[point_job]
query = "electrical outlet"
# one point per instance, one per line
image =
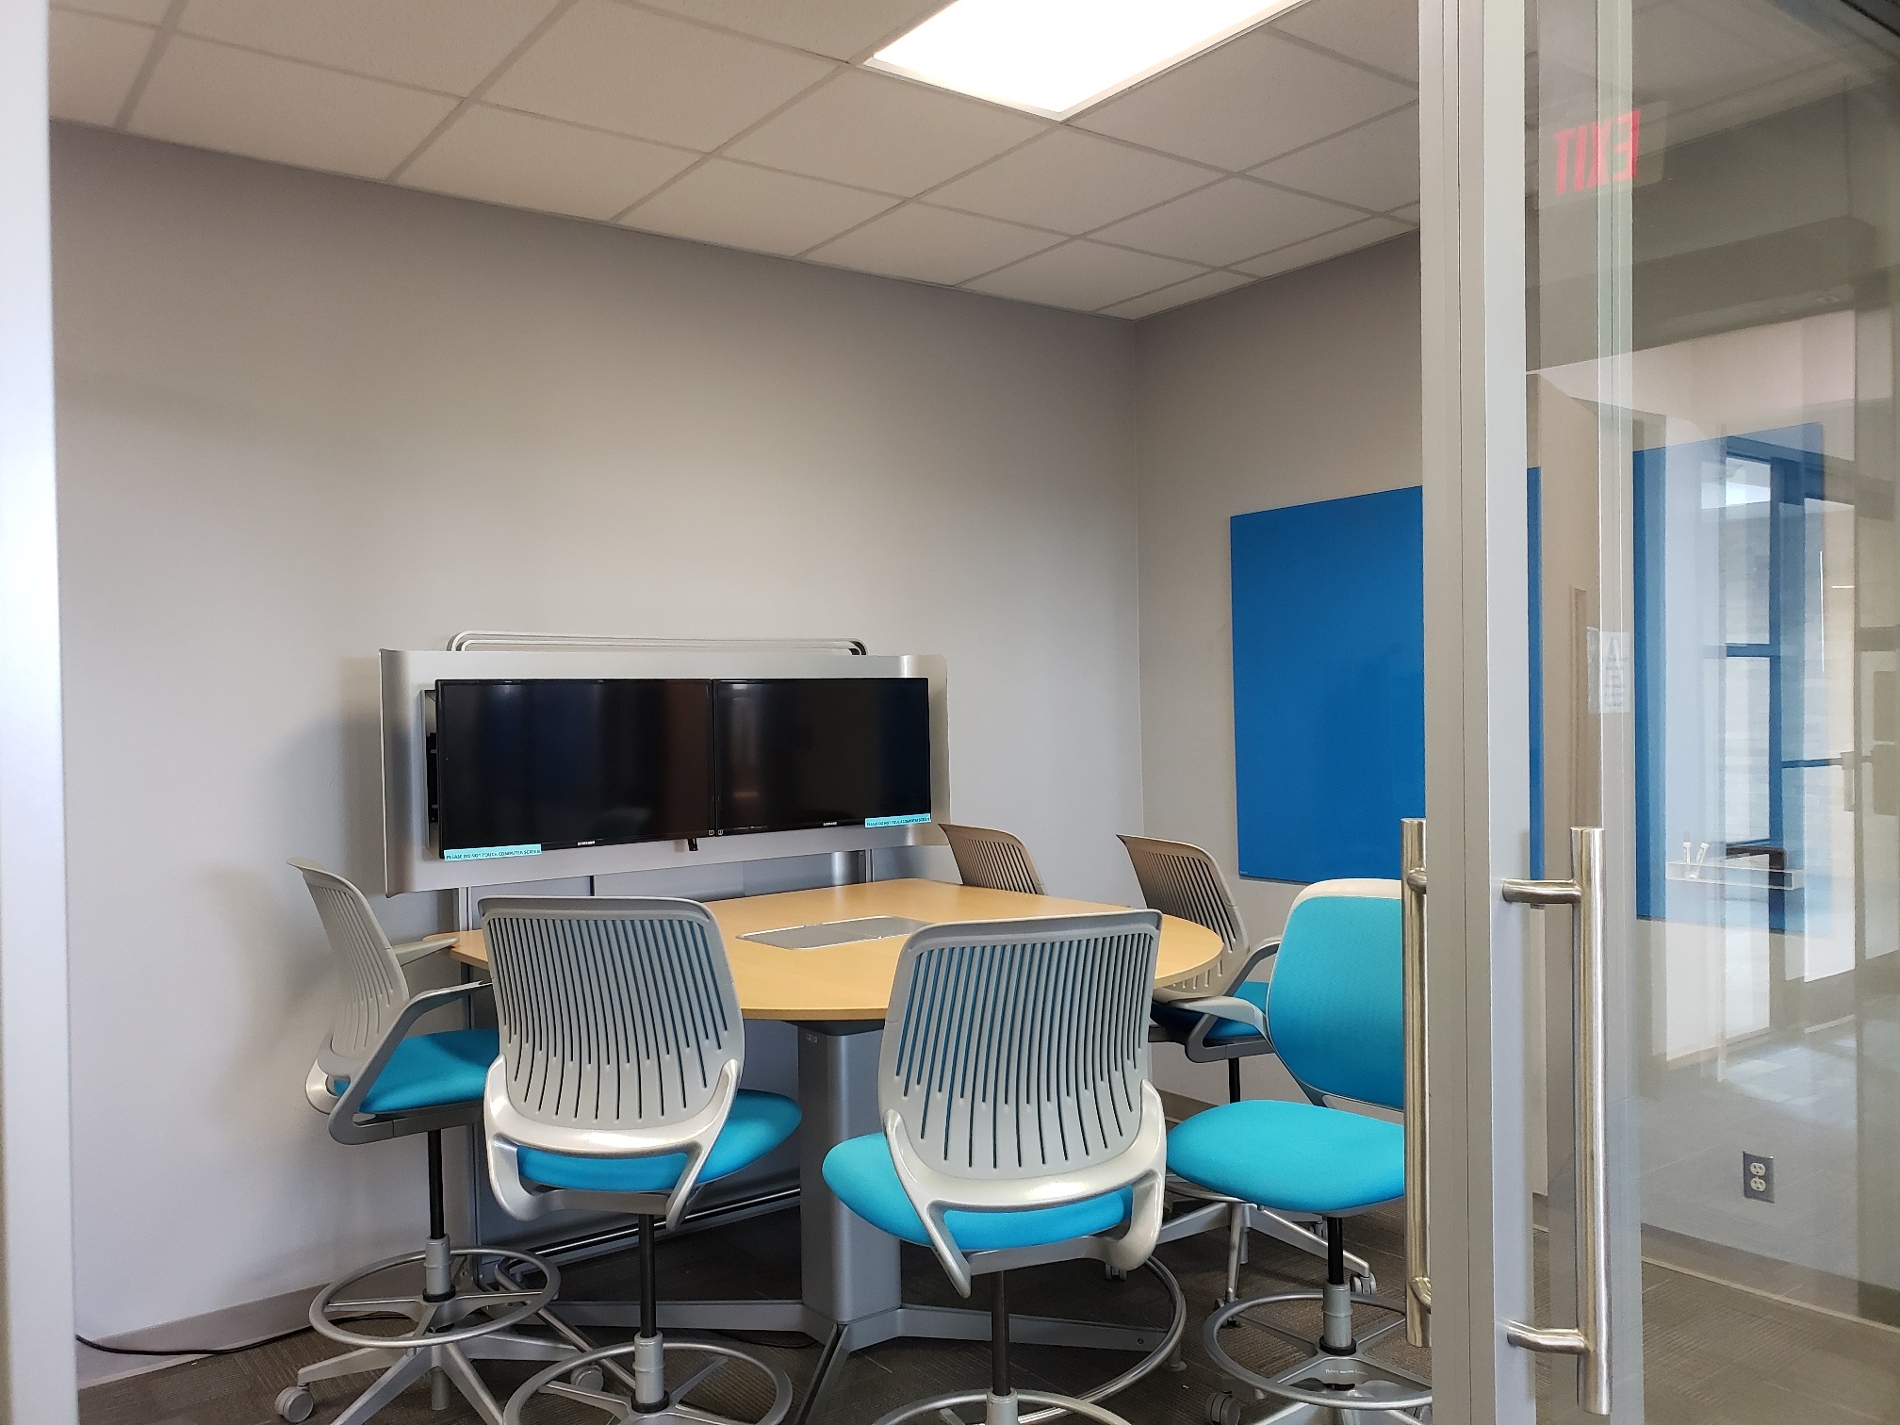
(1758, 1177)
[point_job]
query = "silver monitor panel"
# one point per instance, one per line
(412, 860)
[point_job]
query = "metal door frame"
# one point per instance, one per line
(1477, 707)
(1472, 264)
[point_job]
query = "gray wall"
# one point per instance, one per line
(303, 417)
(1305, 387)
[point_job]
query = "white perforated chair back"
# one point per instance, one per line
(374, 986)
(1019, 1048)
(615, 1013)
(994, 860)
(1180, 879)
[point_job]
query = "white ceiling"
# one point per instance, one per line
(751, 124)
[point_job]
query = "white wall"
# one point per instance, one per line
(1302, 388)
(36, 1303)
(303, 417)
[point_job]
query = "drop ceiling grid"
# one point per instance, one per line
(1138, 227)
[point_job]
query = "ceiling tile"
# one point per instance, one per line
(1374, 165)
(1782, 35)
(1084, 275)
(1381, 33)
(91, 64)
(652, 76)
(451, 45)
(881, 133)
(1179, 295)
(1219, 226)
(842, 29)
(148, 12)
(1248, 101)
(1407, 214)
(231, 99)
(1333, 244)
(1071, 182)
(1693, 51)
(500, 156)
(736, 205)
(932, 245)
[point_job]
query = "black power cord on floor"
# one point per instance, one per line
(90, 1344)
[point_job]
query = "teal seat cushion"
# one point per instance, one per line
(1297, 1157)
(860, 1172)
(432, 1071)
(757, 1124)
(1178, 1023)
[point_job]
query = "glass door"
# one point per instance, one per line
(1661, 246)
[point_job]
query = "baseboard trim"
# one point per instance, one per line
(227, 1328)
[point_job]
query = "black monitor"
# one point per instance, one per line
(790, 753)
(539, 764)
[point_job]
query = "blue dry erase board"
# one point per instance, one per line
(1329, 684)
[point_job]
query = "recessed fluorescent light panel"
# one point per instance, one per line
(1057, 57)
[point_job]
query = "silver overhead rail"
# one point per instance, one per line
(498, 641)
(1589, 1339)
(1418, 1281)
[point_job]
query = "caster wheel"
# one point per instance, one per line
(295, 1403)
(590, 1378)
(1222, 1409)
(1367, 1285)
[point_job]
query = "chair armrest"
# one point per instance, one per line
(1226, 1007)
(1142, 1166)
(409, 951)
(1265, 951)
(343, 1115)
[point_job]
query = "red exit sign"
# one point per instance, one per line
(1597, 154)
(1617, 151)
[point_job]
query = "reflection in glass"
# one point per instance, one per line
(1712, 349)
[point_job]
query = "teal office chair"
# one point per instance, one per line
(1335, 1007)
(1219, 1013)
(617, 1090)
(376, 1080)
(1019, 1123)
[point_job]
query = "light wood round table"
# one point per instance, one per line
(853, 981)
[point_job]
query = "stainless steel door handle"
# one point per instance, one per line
(1589, 1339)
(1418, 1282)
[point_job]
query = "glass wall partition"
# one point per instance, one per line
(1706, 1143)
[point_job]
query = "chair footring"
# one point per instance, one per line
(933, 1323)
(483, 1298)
(1001, 1409)
(447, 1363)
(1009, 1410)
(1340, 1379)
(634, 1360)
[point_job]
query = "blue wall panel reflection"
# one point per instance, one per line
(1329, 685)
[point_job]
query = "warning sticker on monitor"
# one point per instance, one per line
(486, 853)
(910, 819)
